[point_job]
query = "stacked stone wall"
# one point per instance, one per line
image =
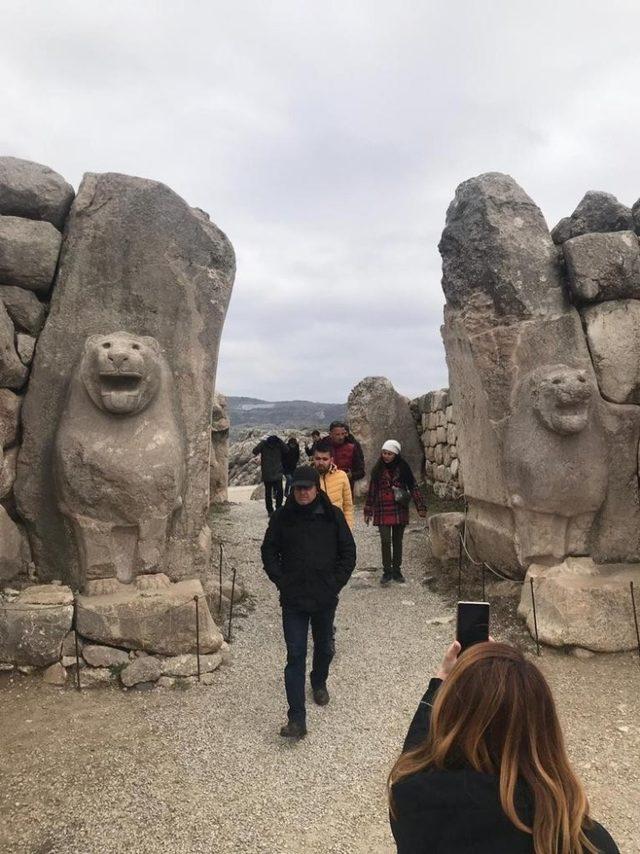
(436, 422)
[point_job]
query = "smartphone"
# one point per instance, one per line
(473, 623)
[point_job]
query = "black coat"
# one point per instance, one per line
(290, 458)
(309, 553)
(272, 451)
(458, 811)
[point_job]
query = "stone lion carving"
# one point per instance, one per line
(555, 462)
(119, 458)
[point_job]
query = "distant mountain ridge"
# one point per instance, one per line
(253, 412)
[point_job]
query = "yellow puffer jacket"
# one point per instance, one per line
(336, 484)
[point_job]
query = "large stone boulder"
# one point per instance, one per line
(10, 404)
(24, 308)
(158, 619)
(579, 603)
(28, 253)
(219, 462)
(596, 212)
(146, 262)
(14, 551)
(603, 266)
(33, 191)
(376, 412)
(13, 373)
(445, 530)
(613, 333)
(33, 626)
(498, 259)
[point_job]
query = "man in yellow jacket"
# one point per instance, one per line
(333, 481)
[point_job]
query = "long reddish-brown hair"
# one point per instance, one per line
(495, 713)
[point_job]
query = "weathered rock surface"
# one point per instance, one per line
(187, 665)
(25, 345)
(10, 404)
(14, 551)
(579, 603)
(28, 253)
(33, 191)
(159, 621)
(603, 266)
(445, 530)
(613, 332)
(597, 212)
(12, 372)
(104, 656)
(24, 308)
(376, 412)
(219, 462)
(8, 471)
(146, 262)
(498, 259)
(96, 677)
(147, 669)
(55, 674)
(33, 626)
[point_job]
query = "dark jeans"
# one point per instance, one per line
(295, 625)
(391, 535)
(272, 488)
(288, 480)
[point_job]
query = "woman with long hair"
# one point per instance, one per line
(484, 767)
(391, 488)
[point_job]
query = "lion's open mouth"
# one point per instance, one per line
(120, 382)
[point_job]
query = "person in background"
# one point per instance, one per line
(484, 767)
(309, 449)
(290, 459)
(391, 489)
(347, 452)
(309, 553)
(333, 481)
(272, 450)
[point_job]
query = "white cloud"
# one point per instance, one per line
(327, 141)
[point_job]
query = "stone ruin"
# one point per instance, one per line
(112, 303)
(542, 337)
(435, 420)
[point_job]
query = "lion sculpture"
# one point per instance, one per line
(555, 462)
(119, 458)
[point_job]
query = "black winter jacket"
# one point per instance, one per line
(309, 553)
(458, 811)
(290, 458)
(272, 451)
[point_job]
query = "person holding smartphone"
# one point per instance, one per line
(484, 768)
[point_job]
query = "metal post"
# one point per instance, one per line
(635, 614)
(195, 599)
(535, 617)
(220, 582)
(233, 591)
(75, 637)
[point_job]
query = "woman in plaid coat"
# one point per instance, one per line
(391, 489)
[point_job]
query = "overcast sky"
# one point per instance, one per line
(327, 139)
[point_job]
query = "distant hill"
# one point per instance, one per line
(252, 412)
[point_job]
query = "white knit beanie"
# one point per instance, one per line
(392, 446)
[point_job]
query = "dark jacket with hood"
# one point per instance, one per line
(458, 811)
(309, 553)
(290, 457)
(272, 451)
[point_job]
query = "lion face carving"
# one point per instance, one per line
(121, 372)
(562, 398)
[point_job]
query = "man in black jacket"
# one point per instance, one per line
(309, 554)
(272, 451)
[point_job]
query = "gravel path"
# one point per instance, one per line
(204, 770)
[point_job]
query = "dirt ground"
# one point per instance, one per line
(204, 770)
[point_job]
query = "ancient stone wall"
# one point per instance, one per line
(436, 424)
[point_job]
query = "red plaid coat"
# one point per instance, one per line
(382, 506)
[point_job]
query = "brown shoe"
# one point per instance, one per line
(321, 696)
(293, 730)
